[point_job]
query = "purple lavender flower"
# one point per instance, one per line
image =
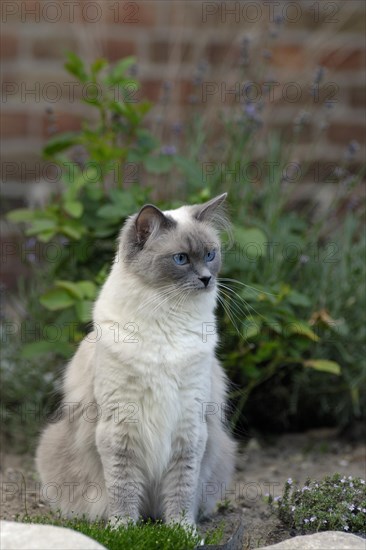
(251, 110)
(168, 150)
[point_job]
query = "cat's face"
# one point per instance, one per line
(178, 248)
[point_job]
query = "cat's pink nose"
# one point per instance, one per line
(205, 280)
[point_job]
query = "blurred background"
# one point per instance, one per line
(263, 99)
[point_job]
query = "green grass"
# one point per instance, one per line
(141, 536)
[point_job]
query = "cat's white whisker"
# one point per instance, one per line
(260, 291)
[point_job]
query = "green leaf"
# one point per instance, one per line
(146, 142)
(323, 365)
(98, 65)
(302, 328)
(251, 329)
(84, 310)
(72, 288)
(60, 143)
(40, 226)
(110, 211)
(118, 72)
(160, 164)
(57, 298)
(87, 288)
(74, 208)
(34, 349)
(75, 66)
(21, 215)
(297, 299)
(250, 242)
(46, 236)
(72, 232)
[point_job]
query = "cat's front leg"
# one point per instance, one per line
(180, 482)
(122, 476)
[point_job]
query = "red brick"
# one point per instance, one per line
(22, 166)
(115, 50)
(151, 89)
(9, 46)
(161, 51)
(217, 52)
(14, 125)
(60, 122)
(343, 59)
(358, 96)
(53, 47)
(288, 56)
(345, 132)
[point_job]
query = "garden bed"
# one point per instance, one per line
(263, 467)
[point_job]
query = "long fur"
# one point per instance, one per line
(141, 432)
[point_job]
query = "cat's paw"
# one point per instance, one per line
(115, 522)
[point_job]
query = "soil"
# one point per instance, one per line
(263, 468)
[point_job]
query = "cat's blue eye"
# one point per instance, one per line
(181, 258)
(209, 256)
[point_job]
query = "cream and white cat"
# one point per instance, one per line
(140, 432)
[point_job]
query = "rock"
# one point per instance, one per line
(31, 536)
(326, 540)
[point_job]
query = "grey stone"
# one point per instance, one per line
(31, 536)
(326, 540)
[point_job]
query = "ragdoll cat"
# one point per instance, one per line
(141, 432)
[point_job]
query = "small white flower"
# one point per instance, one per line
(345, 527)
(293, 508)
(306, 520)
(362, 481)
(313, 518)
(351, 507)
(289, 481)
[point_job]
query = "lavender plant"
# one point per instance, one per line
(336, 503)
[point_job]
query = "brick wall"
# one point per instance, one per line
(283, 41)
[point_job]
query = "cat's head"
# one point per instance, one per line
(178, 248)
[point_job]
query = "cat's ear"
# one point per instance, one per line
(209, 210)
(149, 220)
(214, 213)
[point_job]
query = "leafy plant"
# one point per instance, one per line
(290, 316)
(336, 503)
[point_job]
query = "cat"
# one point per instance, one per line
(140, 432)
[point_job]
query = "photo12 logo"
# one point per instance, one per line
(69, 11)
(269, 11)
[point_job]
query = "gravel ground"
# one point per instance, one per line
(262, 468)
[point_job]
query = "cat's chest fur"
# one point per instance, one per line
(157, 375)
